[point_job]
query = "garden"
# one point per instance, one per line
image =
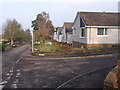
(57, 49)
(52, 48)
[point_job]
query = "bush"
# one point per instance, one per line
(3, 47)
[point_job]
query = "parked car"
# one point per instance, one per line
(37, 42)
(14, 45)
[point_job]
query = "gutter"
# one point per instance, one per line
(103, 27)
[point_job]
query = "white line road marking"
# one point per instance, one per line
(18, 70)
(18, 74)
(80, 76)
(7, 74)
(14, 85)
(11, 73)
(8, 77)
(1, 87)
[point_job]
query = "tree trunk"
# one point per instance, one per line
(11, 42)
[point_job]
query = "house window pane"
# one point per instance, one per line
(100, 31)
(82, 32)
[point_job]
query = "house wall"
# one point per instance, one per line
(60, 38)
(76, 37)
(69, 38)
(64, 39)
(55, 36)
(93, 38)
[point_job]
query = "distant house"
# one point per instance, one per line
(55, 34)
(67, 35)
(58, 34)
(2, 38)
(95, 29)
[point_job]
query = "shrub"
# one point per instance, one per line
(3, 47)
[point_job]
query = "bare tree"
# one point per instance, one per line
(13, 31)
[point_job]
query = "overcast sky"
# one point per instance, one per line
(24, 11)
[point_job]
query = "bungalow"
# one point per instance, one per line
(67, 32)
(58, 34)
(95, 29)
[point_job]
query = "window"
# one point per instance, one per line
(102, 31)
(82, 32)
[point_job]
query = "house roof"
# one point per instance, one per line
(68, 26)
(99, 18)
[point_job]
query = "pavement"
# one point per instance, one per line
(52, 72)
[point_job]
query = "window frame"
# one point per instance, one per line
(82, 36)
(105, 32)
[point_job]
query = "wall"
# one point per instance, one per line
(60, 38)
(76, 25)
(93, 38)
(69, 38)
(55, 36)
(64, 34)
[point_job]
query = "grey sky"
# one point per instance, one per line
(25, 12)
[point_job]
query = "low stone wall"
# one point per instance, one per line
(113, 78)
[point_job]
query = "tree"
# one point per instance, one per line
(43, 26)
(50, 27)
(45, 15)
(11, 30)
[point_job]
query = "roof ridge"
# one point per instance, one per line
(99, 12)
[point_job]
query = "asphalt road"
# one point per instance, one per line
(52, 72)
(10, 57)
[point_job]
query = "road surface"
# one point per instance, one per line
(12, 56)
(61, 72)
